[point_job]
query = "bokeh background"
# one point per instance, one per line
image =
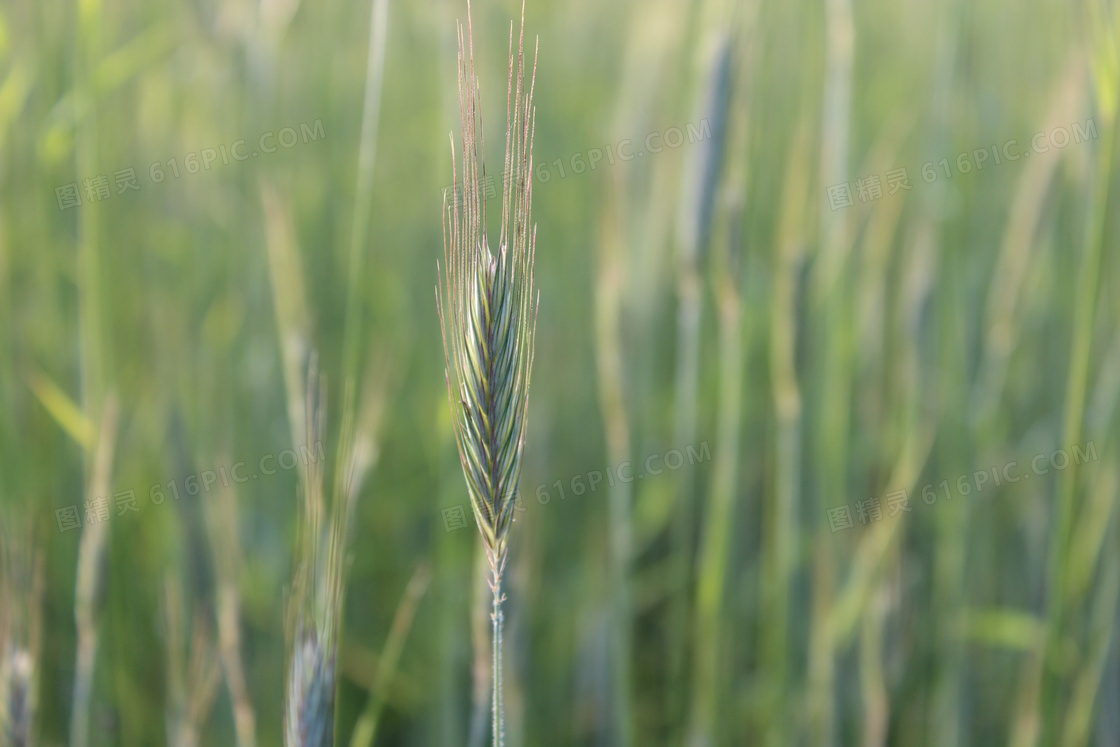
(753, 314)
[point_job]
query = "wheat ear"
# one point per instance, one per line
(21, 591)
(488, 311)
(315, 605)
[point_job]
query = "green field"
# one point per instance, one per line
(822, 443)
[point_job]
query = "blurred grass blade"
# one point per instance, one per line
(611, 280)
(363, 192)
(1002, 628)
(90, 581)
(63, 409)
(365, 731)
(289, 299)
(223, 529)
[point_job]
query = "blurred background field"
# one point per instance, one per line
(745, 307)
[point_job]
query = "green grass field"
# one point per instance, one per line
(822, 438)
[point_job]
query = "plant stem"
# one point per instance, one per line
(686, 389)
(496, 661)
(616, 424)
(480, 666)
(363, 192)
(90, 579)
(365, 730)
(1059, 604)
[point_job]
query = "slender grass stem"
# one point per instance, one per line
(480, 642)
(367, 151)
(781, 509)
(832, 426)
(365, 730)
(91, 559)
(222, 524)
(497, 717)
(612, 273)
(1088, 287)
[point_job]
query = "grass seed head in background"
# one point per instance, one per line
(315, 607)
(18, 691)
(20, 591)
(486, 306)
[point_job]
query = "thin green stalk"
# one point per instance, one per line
(873, 690)
(822, 664)
(222, 525)
(611, 380)
(1099, 520)
(698, 198)
(1041, 682)
(365, 730)
(686, 388)
(94, 536)
(1085, 309)
(834, 365)
(90, 579)
(480, 643)
(951, 520)
(715, 541)
(363, 191)
(93, 358)
(947, 592)
(781, 508)
(497, 723)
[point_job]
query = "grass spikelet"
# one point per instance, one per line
(488, 310)
(315, 605)
(21, 573)
(18, 689)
